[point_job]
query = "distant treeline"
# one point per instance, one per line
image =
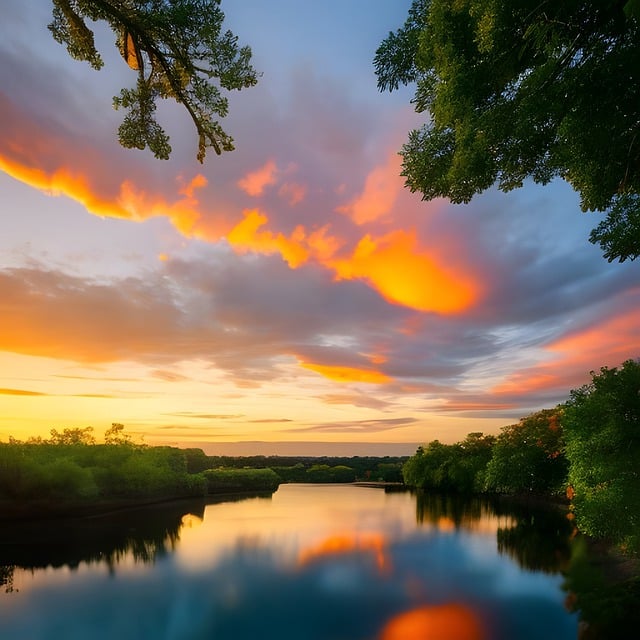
(587, 449)
(306, 468)
(70, 472)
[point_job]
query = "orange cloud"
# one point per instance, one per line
(393, 265)
(347, 374)
(526, 380)
(20, 392)
(246, 236)
(381, 189)
(62, 166)
(403, 274)
(607, 344)
(453, 405)
(322, 245)
(254, 183)
(129, 202)
(604, 340)
(64, 181)
(183, 212)
(59, 316)
(441, 622)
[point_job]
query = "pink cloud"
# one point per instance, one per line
(293, 193)
(381, 189)
(255, 182)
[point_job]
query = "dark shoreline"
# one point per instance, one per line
(46, 510)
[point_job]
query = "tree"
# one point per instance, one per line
(177, 49)
(115, 434)
(458, 467)
(530, 89)
(468, 470)
(602, 426)
(528, 457)
(72, 436)
(429, 467)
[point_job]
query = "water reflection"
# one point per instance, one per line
(442, 622)
(315, 562)
(453, 512)
(346, 544)
(539, 540)
(127, 537)
(123, 538)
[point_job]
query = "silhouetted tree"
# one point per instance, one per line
(177, 49)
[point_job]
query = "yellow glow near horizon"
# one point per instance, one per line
(177, 406)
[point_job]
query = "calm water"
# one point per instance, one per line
(311, 562)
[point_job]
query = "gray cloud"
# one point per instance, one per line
(357, 426)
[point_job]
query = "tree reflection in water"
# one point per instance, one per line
(314, 562)
(602, 588)
(540, 540)
(143, 534)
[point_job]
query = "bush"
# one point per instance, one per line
(78, 472)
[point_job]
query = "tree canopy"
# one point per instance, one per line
(528, 457)
(602, 429)
(178, 50)
(525, 90)
(458, 467)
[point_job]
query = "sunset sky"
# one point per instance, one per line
(292, 290)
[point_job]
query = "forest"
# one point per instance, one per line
(586, 451)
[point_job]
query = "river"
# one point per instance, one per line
(325, 562)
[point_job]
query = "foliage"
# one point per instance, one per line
(326, 473)
(468, 469)
(428, 468)
(295, 473)
(602, 425)
(178, 50)
(529, 456)
(77, 473)
(524, 90)
(607, 604)
(240, 480)
(456, 467)
(73, 436)
(116, 435)
(197, 460)
(389, 472)
(294, 468)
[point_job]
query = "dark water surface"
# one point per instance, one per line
(326, 562)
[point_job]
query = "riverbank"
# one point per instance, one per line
(387, 486)
(603, 585)
(615, 564)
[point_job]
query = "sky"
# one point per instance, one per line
(292, 295)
